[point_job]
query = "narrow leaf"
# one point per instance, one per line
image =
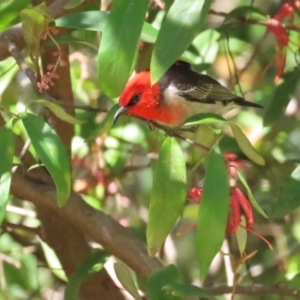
(213, 211)
(205, 136)
(105, 125)
(95, 20)
(241, 235)
(254, 203)
(289, 197)
(283, 93)
(59, 111)
(73, 3)
(168, 194)
(51, 151)
(245, 145)
(6, 161)
(92, 264)
(183, 22)
(53, 262)
(161, 278)
(34, 22)
(119, 44)
(187, 290)
(124, 276)
(204, 118)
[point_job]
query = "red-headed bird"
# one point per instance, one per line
(180, 94)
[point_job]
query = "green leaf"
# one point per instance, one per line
(183, 22)
(245, 12)
(245, 145)
(283, 93)
(86, 20)
(34, 22)
(168, 194)
(119, 44)
(187, 290)
(149, 33)
(205, 136)
(105, 125)
(241, 235)
(53, 262)
(59, 111)
(91, 265)
(156, 282)
(95, 20)
(73, 3)
(213, 211)
(254, 203)
(124, 276)
(207, 45)
(6, 162)
(51, 151)
(289, 197)
(204, 118)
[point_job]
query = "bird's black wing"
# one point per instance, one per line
(197, 87)
(207, 90)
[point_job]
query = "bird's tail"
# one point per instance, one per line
(242, 102)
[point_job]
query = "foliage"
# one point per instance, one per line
(141, 174)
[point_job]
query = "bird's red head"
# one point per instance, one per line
(143, 100)
(139, 97)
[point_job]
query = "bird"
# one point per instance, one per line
(180, 94)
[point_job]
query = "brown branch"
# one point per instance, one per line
(16, 54)
(100, 227)
(15, 36)
(255, 290)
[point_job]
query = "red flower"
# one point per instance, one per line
(239, 205)
(282, 35)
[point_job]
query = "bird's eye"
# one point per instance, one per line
(134, 99)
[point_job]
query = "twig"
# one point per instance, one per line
(171, 132)
(255, 290)
(16, 54)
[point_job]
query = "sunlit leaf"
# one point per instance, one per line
(95, 20)
(51, 151)
(205, 136)
(241, 235)
(106, 124)
(249, 193)
(204, 118)
(213, 211)
(207, 45)
(6, 161)
(88, 20)
(72, 3)
(53, 262)
(149, 33)
(119, 44)
(59, 111)
(124, 276)
(183, 22)
(168, 194)
(245, 145)
(34, 22)
(91, 265)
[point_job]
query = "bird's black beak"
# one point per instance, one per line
(120, 111)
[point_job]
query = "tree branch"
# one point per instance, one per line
(255, 290)
(100, 227)
(15, 36)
